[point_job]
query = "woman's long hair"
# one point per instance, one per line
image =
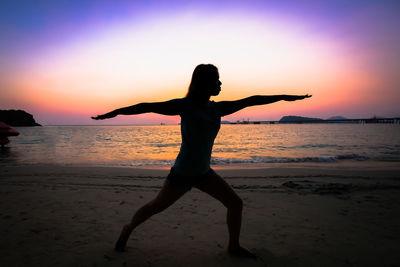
(203, 76)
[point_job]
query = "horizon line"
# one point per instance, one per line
(240, 122)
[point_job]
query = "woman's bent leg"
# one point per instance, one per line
(218, 188)
(165, 198)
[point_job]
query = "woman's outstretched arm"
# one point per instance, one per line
(171, 107)
(229, 107)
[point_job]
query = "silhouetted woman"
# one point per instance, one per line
(200, 123)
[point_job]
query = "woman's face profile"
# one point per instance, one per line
(216, 86)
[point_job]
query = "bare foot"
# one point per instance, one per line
(123, 238)
(241, 252)
(119, 246)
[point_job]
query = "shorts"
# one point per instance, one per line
(187, 181)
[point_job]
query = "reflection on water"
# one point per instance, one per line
(159, 145)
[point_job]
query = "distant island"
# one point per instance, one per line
(337, 118)
(334, 119)
(17, 118)
(298, 119)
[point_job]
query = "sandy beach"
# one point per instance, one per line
(53, 215)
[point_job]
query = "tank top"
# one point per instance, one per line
(199, 127)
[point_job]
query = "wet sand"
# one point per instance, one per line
(54, 215)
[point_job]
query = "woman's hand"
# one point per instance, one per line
(296, 97)
(105, 116)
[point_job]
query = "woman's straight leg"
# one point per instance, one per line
(165, 198)
(218, 188)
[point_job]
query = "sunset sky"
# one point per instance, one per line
(64, 61)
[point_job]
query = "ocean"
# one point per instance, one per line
(235, 146)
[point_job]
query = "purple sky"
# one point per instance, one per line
(366, 30)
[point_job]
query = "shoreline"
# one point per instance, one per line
(343, 165)
(53, 215)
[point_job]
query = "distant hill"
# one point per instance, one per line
(337, 118)
(297, 119)
(17, 118)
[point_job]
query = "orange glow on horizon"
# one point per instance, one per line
(126, 65)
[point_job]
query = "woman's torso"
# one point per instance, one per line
(199, 127)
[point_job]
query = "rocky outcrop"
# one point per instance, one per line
(17, 118)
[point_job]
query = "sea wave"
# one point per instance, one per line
(218, 161)
(268, 159)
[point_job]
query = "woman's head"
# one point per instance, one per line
(205, 82)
